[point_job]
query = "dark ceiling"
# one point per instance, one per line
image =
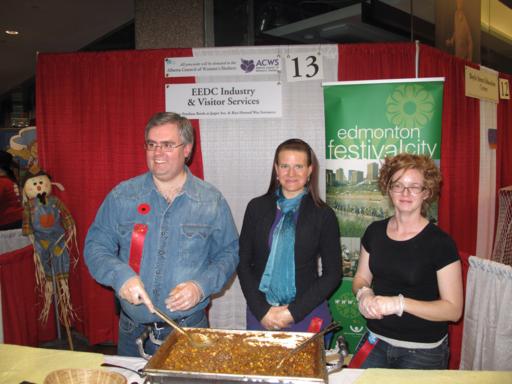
(52, 26)
(73, 25)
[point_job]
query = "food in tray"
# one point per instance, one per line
(245, 354)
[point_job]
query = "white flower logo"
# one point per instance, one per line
(410, 106)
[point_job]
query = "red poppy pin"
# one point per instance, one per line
(144, 208)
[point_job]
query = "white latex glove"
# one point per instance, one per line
(184, 296)
(365, 298)
(133, 292)
(390, 305)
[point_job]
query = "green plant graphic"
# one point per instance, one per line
(410, 105)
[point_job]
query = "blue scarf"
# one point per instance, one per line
(278, 280)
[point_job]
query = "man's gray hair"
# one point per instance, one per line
(184, 126)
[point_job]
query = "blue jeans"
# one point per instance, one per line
(384, 355)
(129, 331)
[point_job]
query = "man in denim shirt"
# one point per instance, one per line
(164, 238)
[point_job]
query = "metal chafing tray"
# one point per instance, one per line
(156, 373)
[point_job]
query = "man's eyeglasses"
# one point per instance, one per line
(164, 145)
(413, 189)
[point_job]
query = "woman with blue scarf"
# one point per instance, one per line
(284, 234)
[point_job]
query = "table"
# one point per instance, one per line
(19, 363)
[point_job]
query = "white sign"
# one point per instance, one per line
(238, 100)
(304, 67)
(481, 84)
(222, 65)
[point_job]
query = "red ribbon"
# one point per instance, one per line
(137, 245)
(315, 325)
(361, 355)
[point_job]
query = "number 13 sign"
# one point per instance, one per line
(304, 67)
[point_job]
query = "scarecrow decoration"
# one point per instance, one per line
(52, 231)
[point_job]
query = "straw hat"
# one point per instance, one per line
(84, 376)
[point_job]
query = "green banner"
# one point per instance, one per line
(365, 122)
(343, 307)
(370, 121)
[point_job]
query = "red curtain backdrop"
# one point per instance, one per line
(504, 144)
(92, 109)
(21, 303)
(460, 149)
(91, 112)
(455, 330)
(376, 61)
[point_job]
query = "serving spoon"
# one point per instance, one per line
(197, 340)
(301, 346)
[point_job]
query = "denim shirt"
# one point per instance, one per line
(193, 238)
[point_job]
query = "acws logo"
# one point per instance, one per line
(247, 65)
(267, 62)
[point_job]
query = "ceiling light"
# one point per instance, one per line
(12, 32)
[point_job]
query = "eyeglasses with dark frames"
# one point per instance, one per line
(400, 188)
(165, 146)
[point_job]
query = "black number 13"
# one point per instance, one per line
(311, 66)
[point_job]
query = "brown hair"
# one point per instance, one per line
(312, 184)
(422, 163)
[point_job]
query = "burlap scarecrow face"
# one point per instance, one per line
(38, 186)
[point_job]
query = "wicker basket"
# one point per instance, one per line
(84, 376)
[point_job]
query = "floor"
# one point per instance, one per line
(80, 343)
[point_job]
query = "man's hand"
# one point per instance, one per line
(184, 296)
(133, 292)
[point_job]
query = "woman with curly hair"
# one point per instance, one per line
(408, 282)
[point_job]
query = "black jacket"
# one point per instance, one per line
(317, 234)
